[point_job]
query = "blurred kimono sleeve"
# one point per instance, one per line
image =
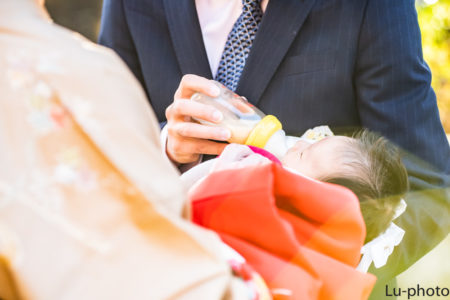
(89, 207)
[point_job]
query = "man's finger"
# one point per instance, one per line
(208, 147)
(191, 84)
(193, 130)
(188, 149)
(183, 107)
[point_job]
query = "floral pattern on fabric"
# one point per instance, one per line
(45, 115)
(49, 120)
(254, 283)
(71, 169)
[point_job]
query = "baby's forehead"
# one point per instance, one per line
(338, 148)
(338, 141)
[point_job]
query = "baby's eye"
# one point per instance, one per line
(301, 154)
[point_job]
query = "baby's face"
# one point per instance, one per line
(318, 160)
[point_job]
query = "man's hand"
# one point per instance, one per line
(187, 140)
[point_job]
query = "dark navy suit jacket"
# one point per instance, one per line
(344, 63)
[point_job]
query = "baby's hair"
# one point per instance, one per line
(377, 176)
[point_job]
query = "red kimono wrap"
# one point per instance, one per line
(303, 236)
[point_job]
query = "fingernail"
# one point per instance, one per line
(214, 91)
(225, 134)
(217, 116)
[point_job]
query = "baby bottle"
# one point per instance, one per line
(248, 125)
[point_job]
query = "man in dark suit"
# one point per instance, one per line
(344, 63)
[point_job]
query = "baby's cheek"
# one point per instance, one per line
(285, 160)
(291, 160)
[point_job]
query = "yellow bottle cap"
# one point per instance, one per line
(262, 132)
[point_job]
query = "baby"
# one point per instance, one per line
(366, 163)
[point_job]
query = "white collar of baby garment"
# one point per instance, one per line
(379, 249)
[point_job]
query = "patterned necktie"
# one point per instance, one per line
(238, 44)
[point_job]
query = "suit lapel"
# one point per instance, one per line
(187, 37)
(279, 27)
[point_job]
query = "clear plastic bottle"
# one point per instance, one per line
(248, 125)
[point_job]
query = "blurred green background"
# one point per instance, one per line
(82, 16)
(434, 17)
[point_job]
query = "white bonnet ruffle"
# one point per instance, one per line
(379, 249)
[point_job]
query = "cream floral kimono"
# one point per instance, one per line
(89, 207)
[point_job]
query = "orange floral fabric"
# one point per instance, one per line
(303, 236)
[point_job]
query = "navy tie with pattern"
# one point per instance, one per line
(239, 42)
